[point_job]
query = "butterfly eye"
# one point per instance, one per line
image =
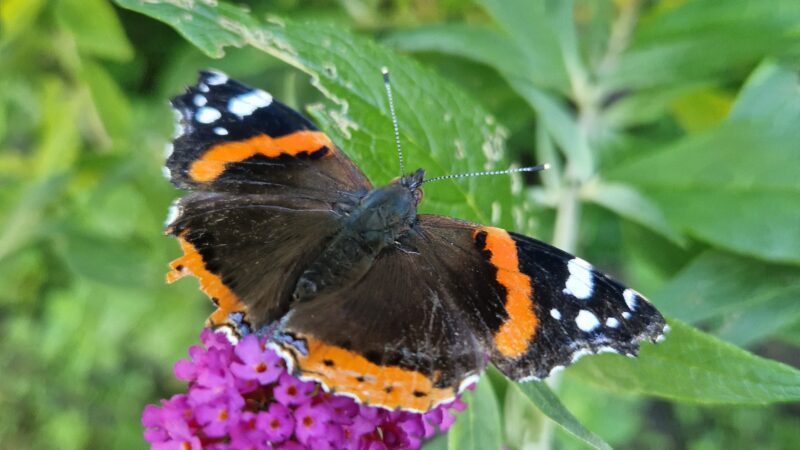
(418, 196)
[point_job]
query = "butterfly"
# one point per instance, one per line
(355, 289)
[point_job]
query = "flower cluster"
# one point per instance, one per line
(242, 397)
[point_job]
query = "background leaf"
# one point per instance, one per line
(723, 199)
(694, 367)
(547, 402)
(478, 427)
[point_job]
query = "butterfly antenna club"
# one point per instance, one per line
(388, 86)
(489, 172)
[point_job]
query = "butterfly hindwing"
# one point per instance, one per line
(235, 138)
(391, 339)
(551, 307)
(243, 248)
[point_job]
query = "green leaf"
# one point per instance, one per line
(530, 60)
(477, 427)
(562, 125)
(110, 103)
(107, 261)
(534, 27)
(631, 204)
(477, 43)
(540, 395)
(703, 39)
(442, 128)
(693, 366)
(750, 299)
(770, 98)
(720, 186)
(96, 28)
(23, 222)
(439, 442)
(17, 16)
(762, 320)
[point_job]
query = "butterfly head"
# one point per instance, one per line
(413, 182)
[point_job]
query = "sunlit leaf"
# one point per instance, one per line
(95, 28)
(631, 204)
(748, 298)
(547, 402)
(720, 186)
(692, 366)
(477, 427)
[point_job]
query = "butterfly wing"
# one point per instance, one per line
(429, 315)
(268, 190)
(244, 249)
(550, 307)
(235, 138)
(392, 339)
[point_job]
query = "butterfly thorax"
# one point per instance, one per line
(373, 225)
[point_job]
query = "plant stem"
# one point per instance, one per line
(588, 97)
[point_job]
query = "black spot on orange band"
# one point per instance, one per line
(374, 384)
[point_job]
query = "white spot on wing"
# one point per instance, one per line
(229, 333)
(580, 282)
(199, 100)
(216, 79)
(626, 315)
(468, 381)
(221, 131)
(606, 349)
(612, 322)
(168, 149)
(207, 114)
(202, 87)
(586, 321)
(179, 128)
(555, 314)
(165, 171)
(630, 298)
(580, 354)
(173, 213)
(245, 104)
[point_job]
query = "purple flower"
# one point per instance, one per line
(277, 422)
(291, 391)
(241, 397)
(311, 421)
(258, 362)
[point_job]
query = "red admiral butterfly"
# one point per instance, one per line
(356, 290)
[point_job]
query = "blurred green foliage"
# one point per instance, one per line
(671, 125)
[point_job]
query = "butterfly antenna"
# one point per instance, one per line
(490, 172)
(388, 87)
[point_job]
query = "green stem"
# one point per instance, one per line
(568, 211)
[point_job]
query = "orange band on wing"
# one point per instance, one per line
(212, 163)
(347, 372)
(514, 336)
(191, 263)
